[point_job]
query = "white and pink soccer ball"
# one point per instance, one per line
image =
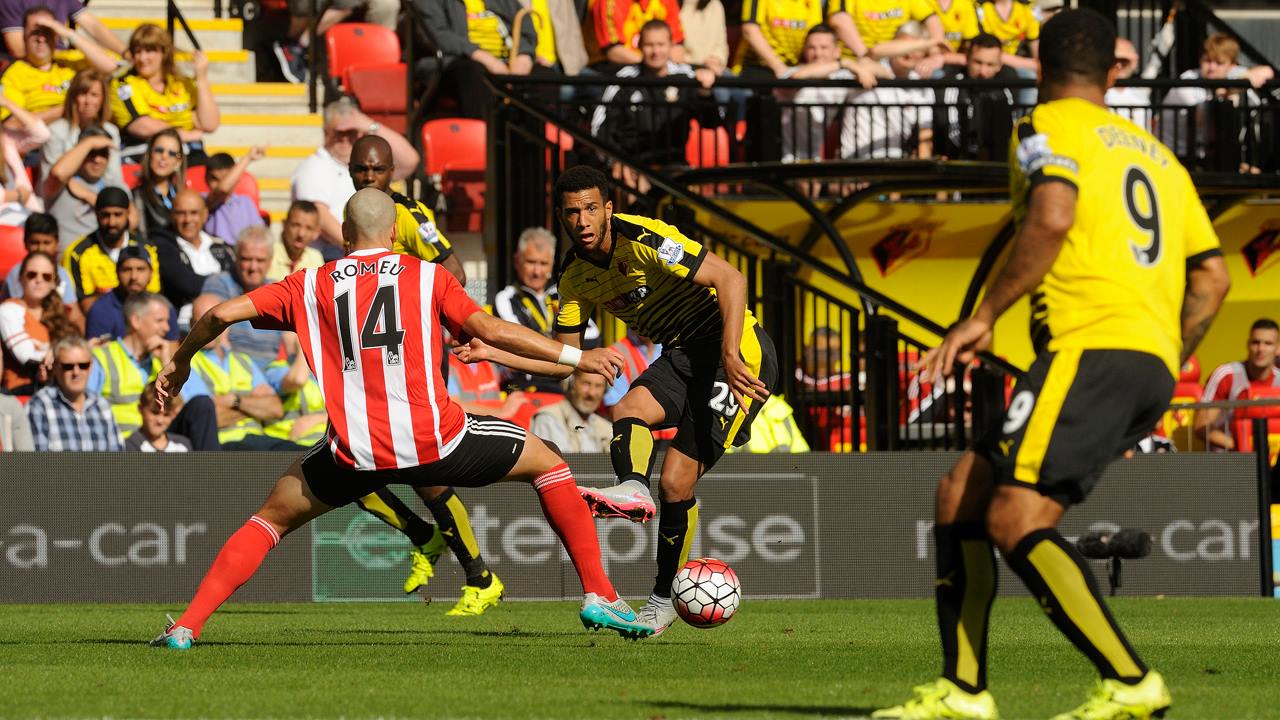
(706, 593)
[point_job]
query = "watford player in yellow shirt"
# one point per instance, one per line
(716, 370)
(1125, 275)
(371, 165)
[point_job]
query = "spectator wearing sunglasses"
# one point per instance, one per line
(29, 325)
(40, 234)
(71, 188)
(65, 415)
(164, 173)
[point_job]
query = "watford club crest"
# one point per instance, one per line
(901, 245)
(1263, 251)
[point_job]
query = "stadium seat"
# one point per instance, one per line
(1190, 371)
(1242, 429)
(359, 44)
(453, 155)
(1176, 425)
(11, 248)
(706, 147)
(380, 92)
(247, 185)
(132, 173)
(558, 141)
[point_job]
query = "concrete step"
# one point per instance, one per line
(191, 9)
(268, 129)
(261, 98)
(225, 66)
(280, 162)
(225, 34)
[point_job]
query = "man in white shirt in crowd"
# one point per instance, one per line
(323, 177)
(573, 425)
(190, 255)
(804, 126)
(892, 122)
(1129, 102)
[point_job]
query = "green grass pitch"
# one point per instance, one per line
(783, 659)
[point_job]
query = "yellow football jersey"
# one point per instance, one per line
(647, 282)
(959, 22)
(784, 23)
(1118, 282)
(879, 20)
(133, 97)
(1020, 26)
(417, 233)
(36, 90)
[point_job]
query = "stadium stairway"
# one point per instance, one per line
(253, 113)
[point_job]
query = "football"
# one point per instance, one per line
(706, 593)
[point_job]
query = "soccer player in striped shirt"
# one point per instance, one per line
(370, 326)
(416, 234)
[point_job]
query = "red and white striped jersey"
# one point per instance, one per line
(370, 326)
(1230, 381)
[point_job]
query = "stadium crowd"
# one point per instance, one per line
(132, 229)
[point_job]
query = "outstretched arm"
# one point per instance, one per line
(174, 375)
(1050, 215)
(529, 351)
(477, 350)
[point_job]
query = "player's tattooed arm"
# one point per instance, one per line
(1207, 286)
(1050, 214)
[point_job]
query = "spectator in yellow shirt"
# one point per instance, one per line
(1015, 23)
(153, 96)
(37, 83)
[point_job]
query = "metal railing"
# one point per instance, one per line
(174, 16)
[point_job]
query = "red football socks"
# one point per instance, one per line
(236, 563)
(569, 517)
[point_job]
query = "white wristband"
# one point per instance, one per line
(570, 355)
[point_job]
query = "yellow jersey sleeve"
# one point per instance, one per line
(575, 312)
(664, 247)
(1045, 149)
(417, 233)
(921, 9)
(1201, 238)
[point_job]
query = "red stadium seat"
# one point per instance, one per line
(379, 90)
(1190, 372)
(1242, 428)
(11, 248)
(356, 44)
(132, 174)
(453, 154)
(1176, 424)
(246, 185)
(706, 147)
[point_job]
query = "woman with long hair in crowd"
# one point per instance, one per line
(86, 106)
(31, 324)
(153, 96)
(164, 173)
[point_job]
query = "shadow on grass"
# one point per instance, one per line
(815, 710)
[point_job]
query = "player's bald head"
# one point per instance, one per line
(360, 152)
(369, 221)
